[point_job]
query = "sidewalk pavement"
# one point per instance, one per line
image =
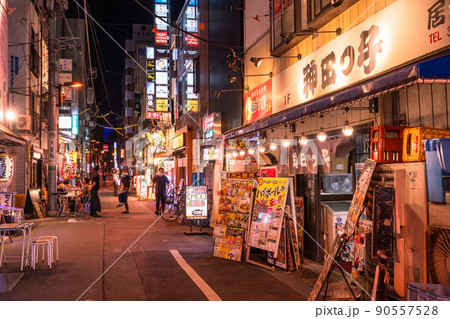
(127, 257)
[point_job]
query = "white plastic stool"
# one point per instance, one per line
(35, 251)
(54, 240)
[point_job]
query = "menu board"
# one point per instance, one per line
(196, 202)
(235, 203)
(359, 196)
(282, 254)
(228, 242)
(268, 213)
(329, 262)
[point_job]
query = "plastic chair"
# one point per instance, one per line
(86, 204)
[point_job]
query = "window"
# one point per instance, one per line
(285, 19)
(34, 55)
(316, 8)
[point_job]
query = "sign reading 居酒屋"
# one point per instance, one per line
(402, 32)
(196, 202)
(258, 102)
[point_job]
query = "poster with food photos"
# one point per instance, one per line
(228, 242)
(268, 213)
(235, 203)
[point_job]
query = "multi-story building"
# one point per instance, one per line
(72, 68)
(135, 88)
(202, 86)
(338, 69)
(28, 88)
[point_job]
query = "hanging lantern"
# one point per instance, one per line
(6, 167)
(322, 136)
(69, 170)
(303, 140)
(347, 130)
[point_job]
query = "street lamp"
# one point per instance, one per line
(10, 115)
(72, 84)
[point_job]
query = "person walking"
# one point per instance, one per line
(104, 178)
(125, 189)
(116, 181)
(94, 188)
(159, 184)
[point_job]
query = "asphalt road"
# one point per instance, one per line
(140, 257)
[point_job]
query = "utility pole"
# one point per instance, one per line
(52, 115)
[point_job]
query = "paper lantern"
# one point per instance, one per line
(69, 170)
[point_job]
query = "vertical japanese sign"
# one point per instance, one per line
(52, 151)
(196, 202)
(258, 102)
(268, 212)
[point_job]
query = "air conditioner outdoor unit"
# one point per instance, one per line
(23, 122)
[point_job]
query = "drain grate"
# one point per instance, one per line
(9, 281)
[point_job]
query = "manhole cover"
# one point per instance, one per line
(9, 281)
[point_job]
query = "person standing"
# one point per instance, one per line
(94, 188)
(159, 184)
(116, 181)
(125, 189)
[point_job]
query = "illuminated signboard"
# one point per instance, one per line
(178, 141)
(122, 153)
(150, 88)
(190, 40)
(162, 91)
(208, 122)
(150, 53)
(65, 122)
(162, 78)
(153, 115)
(196, 202)
(74, 124)
(162, 65)
(192, 106)
(162, 105)
(161, 37)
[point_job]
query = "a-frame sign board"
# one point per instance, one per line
(269, 208)
(356, 208)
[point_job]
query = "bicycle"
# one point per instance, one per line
(174, 206)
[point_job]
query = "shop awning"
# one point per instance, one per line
(432, 69)
(10, 138)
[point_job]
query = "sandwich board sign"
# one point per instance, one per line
(269, 209)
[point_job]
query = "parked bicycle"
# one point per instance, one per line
(175, 206)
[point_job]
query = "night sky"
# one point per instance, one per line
(116, 17)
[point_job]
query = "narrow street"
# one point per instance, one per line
(134, 253)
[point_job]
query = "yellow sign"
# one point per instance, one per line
(269, 204)
(162, 105)
(73, 156)
(178, 141)
(192, 105)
